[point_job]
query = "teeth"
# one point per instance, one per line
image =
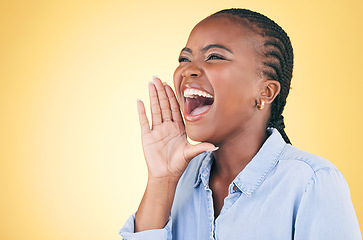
(193, 93)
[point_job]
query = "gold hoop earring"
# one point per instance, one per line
(261, 105)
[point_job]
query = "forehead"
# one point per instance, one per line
(221, 30)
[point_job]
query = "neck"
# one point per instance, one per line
(235, 153)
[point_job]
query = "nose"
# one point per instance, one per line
(192, 71)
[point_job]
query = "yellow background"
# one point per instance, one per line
(71, 162)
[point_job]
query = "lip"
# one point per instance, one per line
(193, 118)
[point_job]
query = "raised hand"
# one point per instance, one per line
(167, 153)
(166, 149)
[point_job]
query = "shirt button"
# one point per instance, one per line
(235, 188)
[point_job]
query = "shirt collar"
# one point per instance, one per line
(256, 171)
(204, 171)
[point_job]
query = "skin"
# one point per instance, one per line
(221, 61)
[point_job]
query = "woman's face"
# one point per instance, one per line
(216, 82)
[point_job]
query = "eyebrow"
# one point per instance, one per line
(206, 48)
(187, 50)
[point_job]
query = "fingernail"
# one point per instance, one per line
(215, 149)
(155, 76)
(138, 100)
(164, 83)
(151, 83)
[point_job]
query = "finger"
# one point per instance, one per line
(154, 105)
(163, 100)
(175, 109)
(193, 150)
(144, 122)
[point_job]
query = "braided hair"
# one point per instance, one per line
(277, 57)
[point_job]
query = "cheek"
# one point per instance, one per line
(217, 73)
(227, 80)
(235, 87)
(177, 79)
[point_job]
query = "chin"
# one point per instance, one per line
(198, 134)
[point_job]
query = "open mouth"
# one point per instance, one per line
(197, 102)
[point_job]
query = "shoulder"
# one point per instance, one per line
(303, 170)
(291, 162)
(311, 163)
(324, 208)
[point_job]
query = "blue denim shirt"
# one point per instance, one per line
(283, 193)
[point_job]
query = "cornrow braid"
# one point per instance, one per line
(276, 54)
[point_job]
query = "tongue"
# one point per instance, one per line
(198, 105)
(200, 110)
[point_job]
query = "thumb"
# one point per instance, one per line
(193, 150)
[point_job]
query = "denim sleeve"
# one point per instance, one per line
(326, 210)
(127, 232)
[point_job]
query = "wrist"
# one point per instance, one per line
(162, 181)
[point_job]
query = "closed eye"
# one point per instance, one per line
(183, 59)
(215, 57)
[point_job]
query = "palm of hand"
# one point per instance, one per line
(166, 149)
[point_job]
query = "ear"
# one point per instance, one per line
(271, 88)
